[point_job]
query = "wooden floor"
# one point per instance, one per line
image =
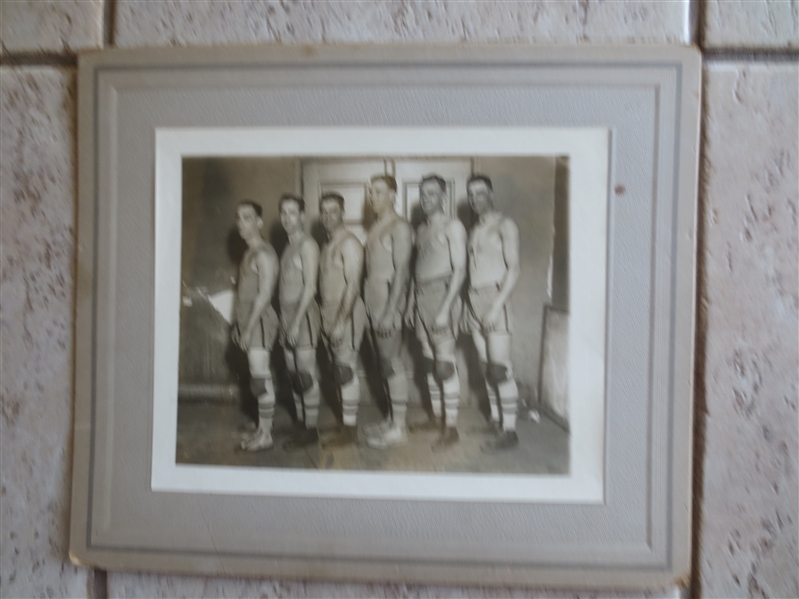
(209, 432)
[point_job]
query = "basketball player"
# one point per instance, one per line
(439, 273)
(255, 322)
(493, 273)
(388, 255)
(300, 319)
(343, 313)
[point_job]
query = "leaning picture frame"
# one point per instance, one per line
(589, 154)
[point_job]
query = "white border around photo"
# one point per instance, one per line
(587, 150)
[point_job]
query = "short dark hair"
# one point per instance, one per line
(390, 181)
(259, 211)
(433, 177)
(332, 196)
(477, 177)
(291, 197)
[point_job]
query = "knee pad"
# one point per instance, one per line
(497, 373)
(304, 381)
(386, 367)
(342, 373)
(258, 386)
(301, 381)
(444, 370)
(428, 364)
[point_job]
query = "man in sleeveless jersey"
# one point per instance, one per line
(343, 313)
(439, 273)
(255, 322)
(493, 253)
(300, 319)
(388, 254)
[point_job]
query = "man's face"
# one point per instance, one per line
(381, 196)
(479, 197)
(431, 197)
(291, 217)
(248, 222)
(332, 215)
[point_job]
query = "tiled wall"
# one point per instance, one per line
(745, 541)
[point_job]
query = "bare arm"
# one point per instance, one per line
(456, 236)
(352, 256)
(310, 271)
(402, 245)
(510, 251)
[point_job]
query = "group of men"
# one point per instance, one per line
(426, 296)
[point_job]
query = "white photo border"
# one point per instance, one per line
(588, 153)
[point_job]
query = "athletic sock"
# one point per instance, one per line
(350, 398)
(266, 409)
(435, 395)
(311, 401)
(509, 400)
(298, 406)
(452, 394)
(398, 395)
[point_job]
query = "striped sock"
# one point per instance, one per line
(311, 401)
(266, 409)
(452, 395)
(350, 398)
(509, 400)
(493, 402)
(398, 395)
(435, 395)
(298, 406)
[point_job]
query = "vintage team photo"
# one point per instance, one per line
(384, 313)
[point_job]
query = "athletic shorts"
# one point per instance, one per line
(265, 330)
(480, 301)
(309, 327)
(429, 297)
(353, 328)
(376, 296)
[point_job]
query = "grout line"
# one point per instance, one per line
(38, 59)
(700, 358)
(750, 55)
(109, 19)
(697, 15)
(100, 584)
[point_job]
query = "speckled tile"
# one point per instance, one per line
(749, 522)
(741, 24)
(37, 183)
(175, 23)
(131, 585)
(52, 26)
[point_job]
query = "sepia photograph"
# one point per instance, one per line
(378, 313)
(384, 313)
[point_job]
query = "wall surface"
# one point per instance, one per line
(745, 528)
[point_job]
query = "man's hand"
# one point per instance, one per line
(385, 325)
(442, 320)
(244, 340)
(293, 334)
(490, 320)
(409, 318)
(464, 324)
(336, 335)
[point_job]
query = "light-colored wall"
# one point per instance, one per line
(745, 528)
(525, 191)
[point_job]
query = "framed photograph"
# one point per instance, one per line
(413, 314)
